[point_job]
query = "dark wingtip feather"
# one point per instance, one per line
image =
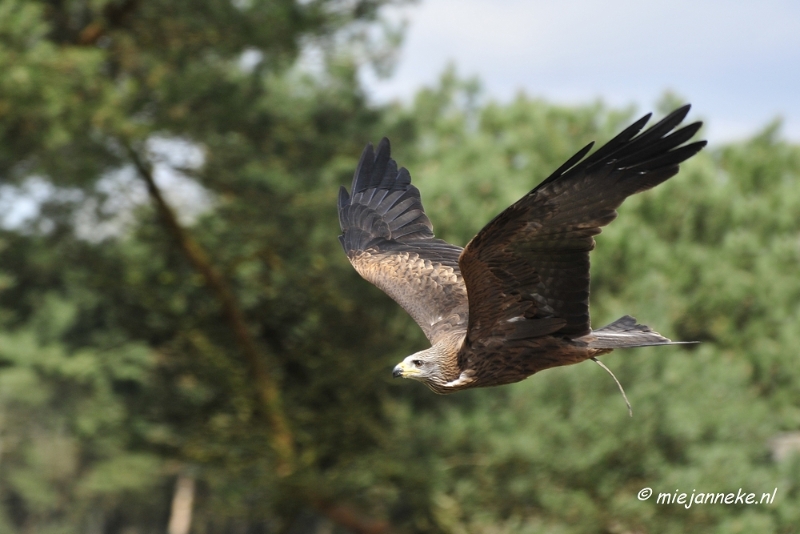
(619, 141)
(682, 111)
(363, 169)
(382, 166)
(569, 163)
(403, 178)
(384, 146)
(344, 196)
(344, 201)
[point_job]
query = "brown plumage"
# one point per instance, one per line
(515, 300)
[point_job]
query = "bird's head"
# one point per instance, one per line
(422, 366)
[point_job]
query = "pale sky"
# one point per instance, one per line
(736, 61)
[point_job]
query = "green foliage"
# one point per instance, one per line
(119, 368)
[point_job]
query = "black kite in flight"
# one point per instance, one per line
(515, 301)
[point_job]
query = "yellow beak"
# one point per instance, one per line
(401, 370)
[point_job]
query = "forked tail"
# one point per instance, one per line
(624, 333)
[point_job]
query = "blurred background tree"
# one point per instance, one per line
(176, 312)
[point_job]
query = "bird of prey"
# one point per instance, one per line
(515, 300)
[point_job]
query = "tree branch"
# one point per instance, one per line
(282, 441)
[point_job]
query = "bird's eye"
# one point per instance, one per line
(417, 363)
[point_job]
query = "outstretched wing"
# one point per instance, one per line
(389, 240)
(527, 271)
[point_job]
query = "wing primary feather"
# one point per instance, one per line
(363, 170)
(660, 128)
(668, 142)
(608, 149)
(344, 202)
(403, 178)
(382, 164)
(571, 161)
(673, 157)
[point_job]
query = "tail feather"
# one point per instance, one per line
(624, 333)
